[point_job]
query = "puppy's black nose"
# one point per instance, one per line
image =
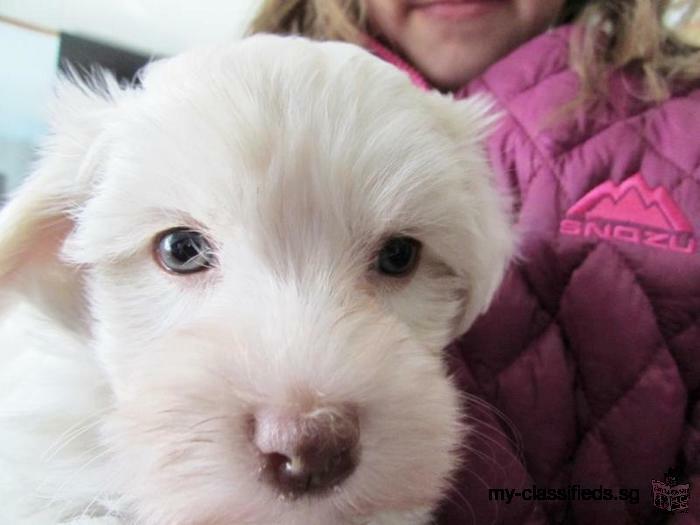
(309, 454)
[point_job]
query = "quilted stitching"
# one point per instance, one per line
(598, 428)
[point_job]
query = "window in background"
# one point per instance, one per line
(31, 57)
(28, 56)
(35, 35)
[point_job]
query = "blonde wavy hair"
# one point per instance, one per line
(610, 35)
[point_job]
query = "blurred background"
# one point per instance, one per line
(36, 36)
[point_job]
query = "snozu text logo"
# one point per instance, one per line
(631, 212)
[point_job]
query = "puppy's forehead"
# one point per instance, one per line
(283, 125)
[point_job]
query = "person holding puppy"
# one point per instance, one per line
(588, 358)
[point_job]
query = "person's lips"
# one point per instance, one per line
(456, 9)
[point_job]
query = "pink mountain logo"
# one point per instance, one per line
(631, 212)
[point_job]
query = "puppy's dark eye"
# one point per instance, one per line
(398, 256)
(184, 251)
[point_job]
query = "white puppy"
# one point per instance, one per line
(225, 294)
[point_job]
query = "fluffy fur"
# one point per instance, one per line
(125, 389)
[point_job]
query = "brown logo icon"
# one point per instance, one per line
(672, 493)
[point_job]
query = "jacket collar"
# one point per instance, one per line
(380, 50)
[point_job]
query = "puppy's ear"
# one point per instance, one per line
(470, 120)
(488, 217)
(36, 221)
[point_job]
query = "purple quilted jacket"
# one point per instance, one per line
(589, 357)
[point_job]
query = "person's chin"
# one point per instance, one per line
(453, 69)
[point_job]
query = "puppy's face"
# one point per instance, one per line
(277, 238)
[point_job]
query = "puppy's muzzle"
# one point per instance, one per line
(306, 454)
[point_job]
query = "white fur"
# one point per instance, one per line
(124, 390)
